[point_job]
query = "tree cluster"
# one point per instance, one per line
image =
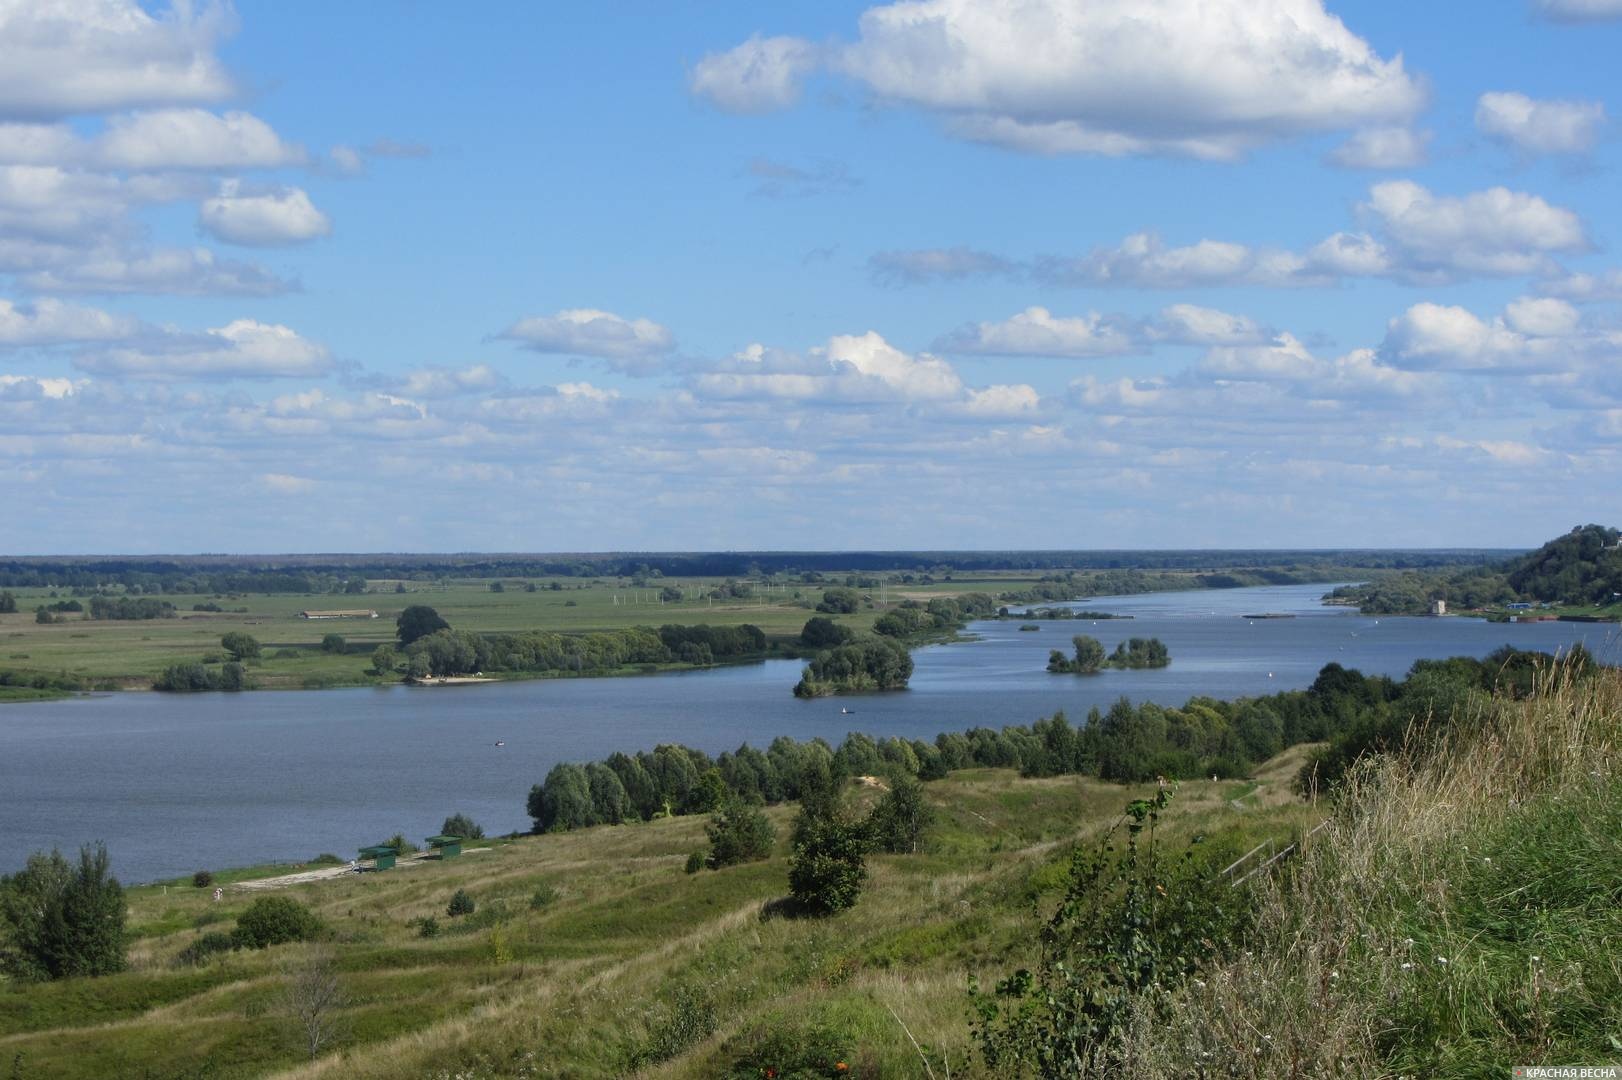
(873, 664)
(58, 919)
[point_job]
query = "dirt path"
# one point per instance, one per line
(326, 873)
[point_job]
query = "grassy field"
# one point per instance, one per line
(130, 654)
(594, 954)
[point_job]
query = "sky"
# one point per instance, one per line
(943, 274)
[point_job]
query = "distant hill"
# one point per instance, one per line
(1582, 567)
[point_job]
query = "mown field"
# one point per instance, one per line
(132, 653)
(595, 954)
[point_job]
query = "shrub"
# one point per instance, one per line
(427, 926)
(334, 643)
(326, 858)
(897, 823)
(785, 1051)
(205, 948)
(463, 826)
(688, 1017)
(202, 879)
(240, 645)
(273, 920)
(739, 833)
(695, 862)
(826, 873)
(543, 895)
(461, 904)
(284, 654)
(63, 920)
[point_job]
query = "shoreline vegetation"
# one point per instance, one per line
(948, 903)
(103, 624)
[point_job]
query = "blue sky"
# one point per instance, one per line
(952, 273)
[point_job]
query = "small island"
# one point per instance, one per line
(1089, 658)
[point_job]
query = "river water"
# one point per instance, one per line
(175, 783)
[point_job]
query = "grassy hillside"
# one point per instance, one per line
(633, 963)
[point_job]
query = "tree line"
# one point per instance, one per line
(1089, 658)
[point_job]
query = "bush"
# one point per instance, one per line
(427, 926)
(828, 869)
(739, 833)
(204, 949)
(274, 920)
(463, 826)
(695, 862)
(334, 643)
(897, 823)
(461, 904)
(543, 895)
(787, 1052)
(326, 858)
(202, 879)
(240, 645)
(63, 920)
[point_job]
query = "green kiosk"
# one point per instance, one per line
(382, 856)
(448, 846)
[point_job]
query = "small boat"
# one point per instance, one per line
(500, 743)
(846, 712)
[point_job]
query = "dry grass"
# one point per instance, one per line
(1365, 961)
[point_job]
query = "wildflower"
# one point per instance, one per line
(1334, 975)
(1408, 941)
(1407, 966)
(1441, 960)
(1267, 1038)
(1487, 861)
(840, 1066)
(1537, 959)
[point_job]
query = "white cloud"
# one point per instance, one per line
(1143, 260)
(1284, 359)
(29, 386)
(1540, 127)
(759, 75)
(177, 271)
(1585, 288)
(51, 322)
(1037, 332)
(1110, 77)
(1496, 232)
(1531, 336)
(266, 219)
(1382, 148)
(241, 349)
(632, 344)
(437, 382)
(850, 368)
(1580, 10)
(1189, 324)
(193, 139)
(87, 56)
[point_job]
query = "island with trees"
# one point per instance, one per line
(1089, 658)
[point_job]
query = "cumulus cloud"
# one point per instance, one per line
(1037, 332)
(1111, 78)
(241, 349)
(51, 322)
(193, 139)
(1495, 232)
(1540, 127)
(24, 387)
(177, 271)
(760, 75)
(1144, 260)
(264, 219)
(630, 344)
(88, 56)
(1532, 335)
(1382, 148)
(1584, 287)
(438, 382)
(1190, 324)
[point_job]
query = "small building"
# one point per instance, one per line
(448, 846)
(1438, 607)
(382, 856)
(355, 613)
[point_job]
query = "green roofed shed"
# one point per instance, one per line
(382, 856)
(448, 846)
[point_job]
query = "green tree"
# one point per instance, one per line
(708, 794)
(461, 904)
(898, 820)
(8, 603)
(383, 660)
(496, 586)
(1089, 654)
(610, 804)
(417, 621)
(60, 920)
(273, 920)
(821, 632)
(463, 826)
(334, 643)
(826, 873)
(739, 833)
(241, 646)
(840, 601)
(43, 616)
(563, 800)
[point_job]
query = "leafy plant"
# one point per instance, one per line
(461, 904)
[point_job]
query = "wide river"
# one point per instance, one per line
(175, 783)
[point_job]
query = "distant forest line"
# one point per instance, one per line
(322, 573)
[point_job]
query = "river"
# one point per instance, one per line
(175, 783)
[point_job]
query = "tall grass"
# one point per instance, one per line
(1461, 913)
